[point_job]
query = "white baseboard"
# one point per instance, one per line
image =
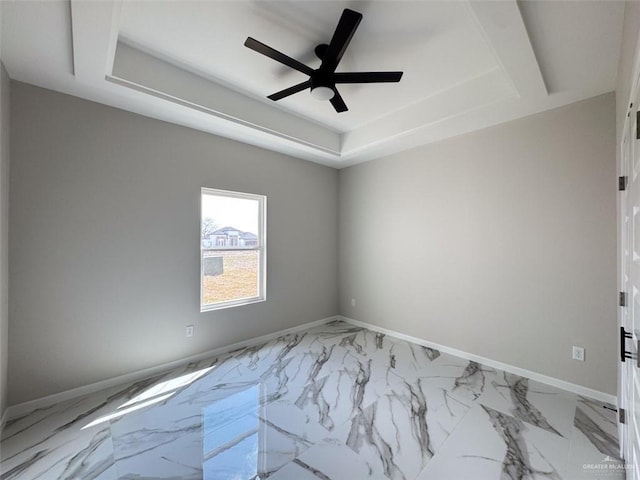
(538, 377)
(22, 408)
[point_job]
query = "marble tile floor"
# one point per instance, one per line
(334, 402)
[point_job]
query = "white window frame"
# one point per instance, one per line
(261, 248)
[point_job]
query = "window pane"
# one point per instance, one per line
(229, 275)
(229, 222)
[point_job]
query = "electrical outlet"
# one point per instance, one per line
(353, 302)
(578, 354)
(189, 331)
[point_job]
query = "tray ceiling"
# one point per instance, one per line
(467, 65)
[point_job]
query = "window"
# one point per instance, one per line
(232, 249)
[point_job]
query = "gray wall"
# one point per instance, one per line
(104, 229)
(501, 243)
(4, 234)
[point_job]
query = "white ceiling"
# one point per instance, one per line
(467, 65)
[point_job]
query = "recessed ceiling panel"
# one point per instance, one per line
(26, 26)
(568, 51)
(436, 44)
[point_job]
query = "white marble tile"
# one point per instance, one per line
(335, 398)
(334, 331)
(335, 402)
(68, 455)
(259, 358)
(587, 462)
(220, 382)
(250, 447)
(299, 471)
(225, 411)
(164, 438)
(408, 364)
(328, 461)
(286, 416)
(258, 437)
(362, 343)
(35, 428)
(286, 378)
(542, 405)
(409, 359)
(598, 422)
(162, 442)
(110, 473)
(462, 378)
(369, 345)
(238, 461)
(492, 445)
(404, 428)
(50, 440)
(594, 450)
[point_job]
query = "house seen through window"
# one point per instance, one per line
(232, 249)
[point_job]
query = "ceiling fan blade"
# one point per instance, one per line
(266, 50)
(367, 77)
(347, 26)
(338, 103)
(290, 91)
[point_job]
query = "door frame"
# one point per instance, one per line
(627, 145)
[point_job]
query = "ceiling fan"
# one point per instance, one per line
(322, 81)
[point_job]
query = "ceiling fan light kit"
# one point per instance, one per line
(322, 93)
(322, 81)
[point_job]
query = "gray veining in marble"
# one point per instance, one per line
(598, 423)
(523, 408)
(334, 402)
(516, 463)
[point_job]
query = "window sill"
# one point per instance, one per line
(230, 304)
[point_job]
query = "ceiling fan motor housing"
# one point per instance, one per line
(320, 50)
(322, 86)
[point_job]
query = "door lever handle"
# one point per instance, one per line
(624, 354)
